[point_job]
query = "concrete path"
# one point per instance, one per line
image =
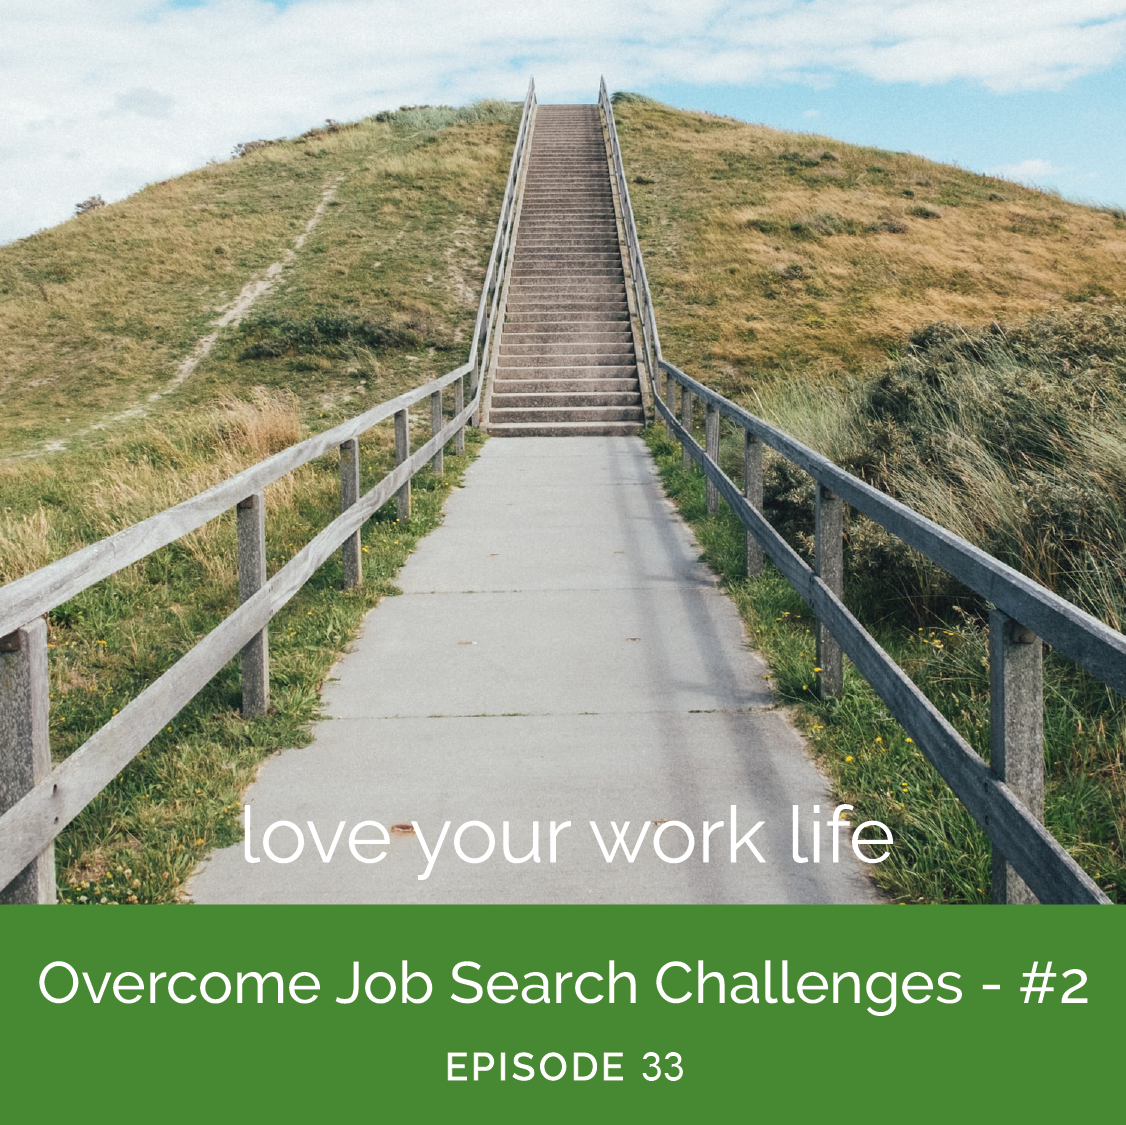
(558, 654)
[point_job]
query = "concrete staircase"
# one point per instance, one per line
(566, 360)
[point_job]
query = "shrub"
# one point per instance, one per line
(245, 148)
(87, 205)
(271, 337)
(431, 118)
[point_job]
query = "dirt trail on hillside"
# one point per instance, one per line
(231, 315)
(236, 311)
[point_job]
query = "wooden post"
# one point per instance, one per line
(752, 489)
(402, 452)
(459, 406)
(686, 397)
(711, 447)
(670, 401)
(349, 494)
(25, 748)
(251, 578)
(828, 565)
(1016, 726)
(474, 377)
(438, 461)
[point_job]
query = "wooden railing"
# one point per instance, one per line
(1005, 797)
(38, 801)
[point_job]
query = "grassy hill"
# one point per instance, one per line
(102, 427)
(96, 314)
(800, 275)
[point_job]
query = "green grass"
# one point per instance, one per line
(940, 855)
(140, 839)
(96, 314)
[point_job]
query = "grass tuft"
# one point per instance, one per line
(141, 838)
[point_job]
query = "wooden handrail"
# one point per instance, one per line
(1089, 642)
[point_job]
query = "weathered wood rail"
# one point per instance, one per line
(38, 801)
(1005, 796)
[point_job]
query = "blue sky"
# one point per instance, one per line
(103, 96)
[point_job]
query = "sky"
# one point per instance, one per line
(104, 96)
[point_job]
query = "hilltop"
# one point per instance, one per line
(960, 342)
(965, 335)
(772, 254)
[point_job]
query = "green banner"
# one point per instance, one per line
(297, 1013)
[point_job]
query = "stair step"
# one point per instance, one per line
(563, 293)
(565, 429)
(571, 359)
(563, 321)
(537, 353)
(623, 335)
(563, 400)
(590, 385)
(565, 259)
(567, 310)
(597, 255)
(604, 280)
(569, 371)
(583, 321)
(567, 414)
(568, 269)
(569, 244)
(529, 298)
(536, 289)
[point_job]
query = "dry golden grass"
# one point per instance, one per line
(128, 478)
(777, 253)
(97, 315)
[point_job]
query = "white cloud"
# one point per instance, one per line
(102, 95)
(1029, 171)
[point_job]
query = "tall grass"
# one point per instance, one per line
(429, 118)
(1012, 436)
(141, 837)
